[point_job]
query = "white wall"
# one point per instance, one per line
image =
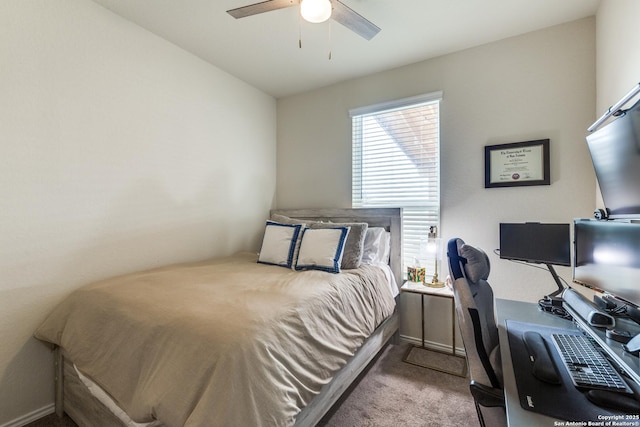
(617, 40)
(118, 151)
(535, 86)
(618, 57)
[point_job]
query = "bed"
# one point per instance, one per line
(287, 363)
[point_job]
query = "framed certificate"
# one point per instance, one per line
(517, 164)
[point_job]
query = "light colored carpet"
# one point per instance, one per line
(392, 393)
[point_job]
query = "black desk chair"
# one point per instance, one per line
(469, 269)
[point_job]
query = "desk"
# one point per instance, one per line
(528, 315)
(524, 312)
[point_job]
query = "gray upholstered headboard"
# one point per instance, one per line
(389, 218)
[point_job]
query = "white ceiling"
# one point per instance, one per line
(263, 49)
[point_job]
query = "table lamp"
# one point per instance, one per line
(434, 247)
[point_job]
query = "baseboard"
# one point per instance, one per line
(433, 345)
(31, 416)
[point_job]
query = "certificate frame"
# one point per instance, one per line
(517, 164)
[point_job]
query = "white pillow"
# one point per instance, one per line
(279, 244)
(386, 247)
(322, 249)
(376, 246)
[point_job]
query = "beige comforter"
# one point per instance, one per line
(226, 342)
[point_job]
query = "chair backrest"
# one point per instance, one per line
(469, 269)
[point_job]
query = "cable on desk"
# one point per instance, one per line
(545, 304)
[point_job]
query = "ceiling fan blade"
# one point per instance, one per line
(354, 21)
(265, 6)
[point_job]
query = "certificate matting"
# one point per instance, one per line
(517, 164)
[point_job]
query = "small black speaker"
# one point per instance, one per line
(587, 310)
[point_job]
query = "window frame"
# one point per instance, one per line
(409, 245)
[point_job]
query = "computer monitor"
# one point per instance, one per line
(538, 243)
(606, 257)
(615, 152)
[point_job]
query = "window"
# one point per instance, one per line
(396, 163)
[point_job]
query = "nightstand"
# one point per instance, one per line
(445, 292)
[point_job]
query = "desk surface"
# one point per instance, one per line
(523, 312)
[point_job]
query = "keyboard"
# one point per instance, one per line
(587, 366)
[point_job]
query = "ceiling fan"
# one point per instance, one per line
(315, 11)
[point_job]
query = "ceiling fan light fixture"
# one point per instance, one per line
(315, 11)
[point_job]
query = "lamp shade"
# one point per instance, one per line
(315, 11)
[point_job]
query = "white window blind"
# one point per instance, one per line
(396, 163)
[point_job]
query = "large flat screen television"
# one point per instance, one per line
(607, 257)
(615, 153)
